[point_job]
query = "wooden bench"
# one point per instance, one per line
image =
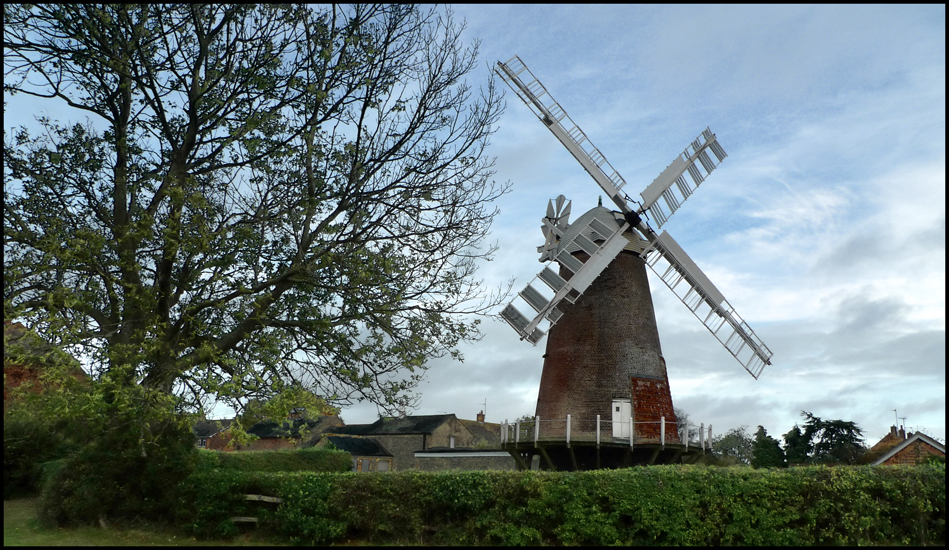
(258, 498)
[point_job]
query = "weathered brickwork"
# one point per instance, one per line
(604, 341)
(442, 435)
(402, 447)
(915, 453)
(651, 401)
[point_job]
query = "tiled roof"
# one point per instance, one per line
(888, 442)
(20, 342)
(424, 424)
(292, 428)
(358, 446)
(207, 428)
(487, 432)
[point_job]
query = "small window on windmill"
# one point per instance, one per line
(617, 408)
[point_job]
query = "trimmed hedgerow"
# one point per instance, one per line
(298, 460)
(668, 505)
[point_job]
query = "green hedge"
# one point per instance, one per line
(302, 460)
(668, 505)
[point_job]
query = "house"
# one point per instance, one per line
(435, 442)
(25, 355)
(368, 454)
(915, 449)
(210, 434)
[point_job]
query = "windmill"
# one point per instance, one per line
(603, 353)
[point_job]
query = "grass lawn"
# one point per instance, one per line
(21, 528)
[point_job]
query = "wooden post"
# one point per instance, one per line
(568, 431)
(536, 429)
(517, 433)
(710, 439)
(597, 431)
(702, 437)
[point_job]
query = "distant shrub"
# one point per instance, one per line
(110, 479)
(27, 443)
(308, 460)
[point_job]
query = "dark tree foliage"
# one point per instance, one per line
(261, 198)
(835, 441)
(797, 446)
(767, 452)
(824, 442)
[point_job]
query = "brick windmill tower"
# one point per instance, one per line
(603, 354)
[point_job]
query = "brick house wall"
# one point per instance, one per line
(17, 337)
(218, 442)
(915, 453)
(402, 447)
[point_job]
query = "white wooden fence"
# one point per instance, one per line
(600, 431)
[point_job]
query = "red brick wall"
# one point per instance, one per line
(915, 453)
(652, 400)
(218, 442)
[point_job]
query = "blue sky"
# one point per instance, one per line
(824, 227)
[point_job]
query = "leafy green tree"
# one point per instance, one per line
(835, 441)
(767, 452)
(263, 196)
(682, 418)
(735, 446)
(797, 446)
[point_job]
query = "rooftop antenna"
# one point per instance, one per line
(896, 418)
(903, 418)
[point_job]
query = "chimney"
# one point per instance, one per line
(902, 433)
(893, 431)
(481, 417)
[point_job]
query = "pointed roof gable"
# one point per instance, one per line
(488, 432)
(208, 428)
(909, 441)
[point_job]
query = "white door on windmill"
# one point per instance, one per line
(622, 416)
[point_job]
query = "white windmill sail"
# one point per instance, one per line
(706, 302)
(584, 273)
(721, 319)
(675, 174)
(542, 104)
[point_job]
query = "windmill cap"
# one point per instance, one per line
(606, 216)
